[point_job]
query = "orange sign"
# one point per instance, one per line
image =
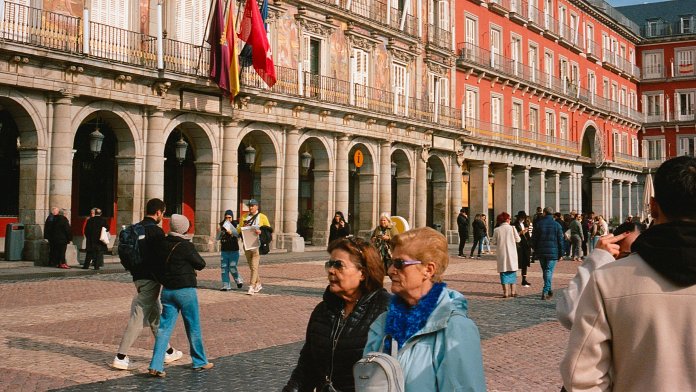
(358, 158)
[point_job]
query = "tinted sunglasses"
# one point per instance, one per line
(336, 264)
(401, 263)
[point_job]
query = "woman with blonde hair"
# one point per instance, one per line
(381, 237)
(439, 346)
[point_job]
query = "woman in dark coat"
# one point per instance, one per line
(338, 327)
(524, 249)
(339, 227)
(95, 248)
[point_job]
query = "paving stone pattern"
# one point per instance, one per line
(61, 332)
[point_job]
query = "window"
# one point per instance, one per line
(550, 123)
(400, 88)
(687, 145)
(471, 106)
(652, 65)
(438, 87)
(516, 115)
(634, 146)
(591, 85)
(548, 13)
(495, 46)
(116, 13)
(496, 112)
(686, 26)
(624, 143)
(574, 25)
(562, 19)
(443, 15)
(605, 88)
(548, 68)
(532, 61)
(533, 119)
(652, 107)
(471, 31)
(589, 39)
(617, 142)
(656, 149)
(516, 52)
(606, 47)
(563, 131)
(685, 104)
(685, 62)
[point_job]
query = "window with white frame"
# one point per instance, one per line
(548, 13)
(496, 112)
(400, 80)
(471, 105)
(563, 127)
(685, 62)
(361, 76)
(605, 88)
(117, 14)
(471, 31)
(589, 39)
(624, 143)
(651, 28)
(606, 47)
(562, 19)
(652, 106)
(550, 123)
(517, 114)
(516, 52)
(496, 45)
(617, 142)
(685, 105)
(548, 68)
(652, 65)
(574, 25)
(634, 146)
(687, 145)
(438, 88)
(655, 148)
(443, 15)
(685, 25)
(592, 85)
(532, 61)
(533, 119)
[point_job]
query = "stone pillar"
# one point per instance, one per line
(60, 189)
(520, 192)
(617, 198)
(564, 193)
(291, 240)
(32, 200)
(537, 190)
(502, 195)
(627, 199)
(321, 200)
(128, 193)
(342, 180)
(609, 198)
(572, 184)
(598, 193)
(439, 202)
(229, 171)
(552, 194)
(421, 189)
(154, 161)
(206, 206)
(478, 181)
(385, 177)
(403, 206)
(366, 199)
(455, 200)
(578, 188)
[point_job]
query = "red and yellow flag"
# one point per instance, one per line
(230, 30)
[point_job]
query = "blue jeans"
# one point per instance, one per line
(485, 244)
(228, 266)
(174, 301)
(547, 267)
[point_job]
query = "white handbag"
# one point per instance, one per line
(104, 236)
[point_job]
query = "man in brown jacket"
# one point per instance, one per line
(633, 329)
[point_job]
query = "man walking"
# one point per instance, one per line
(253, 219)
(634, 322)
(479, 229)
(145, 308)
(463, 229)
(95, 248)
(57, 232)
(547, 241)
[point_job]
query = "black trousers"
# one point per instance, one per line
(95, 256)
(462, 242)
(477, 244)
(56, 255)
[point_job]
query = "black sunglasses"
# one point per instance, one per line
(336, 264)
(401, 263)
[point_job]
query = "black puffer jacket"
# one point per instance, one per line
(151, 249)
(314, 364)
(180, 260)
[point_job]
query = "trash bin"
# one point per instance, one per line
(14, 241)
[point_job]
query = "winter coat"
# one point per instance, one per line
(338, 232)
(178, 262)
(444, 355)
(314, 363)
(506, 237)
(463, 225)
(93, 230)
(58, 231)
(547, 239)
(576, 229)
(150, 249)
(634, 324)
(479, 229)
(229, 242)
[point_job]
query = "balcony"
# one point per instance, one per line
(653, 72)
(500, 7)
(571, 37)
(516, 136)
(662, 29)
(629, 160)
(592, 50)
(519, 12)
(536, 18)
(403, 22)
(671, 117)
(440, 38)
(551, 27)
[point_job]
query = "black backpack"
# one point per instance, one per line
(130, 247)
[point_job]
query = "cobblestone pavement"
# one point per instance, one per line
(61, 332)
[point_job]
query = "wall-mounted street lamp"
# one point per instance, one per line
(491, 178)
(180, 149)
(393, 169)
(512, 180)
(352, 168)
(428, 173)
(306, 161)
(249, 156)
(466, 176)
(96, 139)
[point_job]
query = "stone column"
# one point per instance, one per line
(291, 240)
(365, 194)
(626, 199)
(537, 190)
(520, 193)
(502, 195)
(32, 199)
(609, 199)
(128, 192)
(455, 200)
(342, 180)
(403, 206)
(598, 192)
(552, 196)
(564, 193)
(229, 171)
(578, 188)
(478, 181)
(154, 161)
(617, 207)
(421, 188)
(385, 177)
(322, 202)
(572, 184)
(439, 202)
(206, 205)
(60, 189)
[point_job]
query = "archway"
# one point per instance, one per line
(361, 189)
(180, 176)
(401, 181)
(436, 199)
(314, 191)
(9, 169)
(589, 149)
(258, 173)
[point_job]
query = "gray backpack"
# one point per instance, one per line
(379, 371)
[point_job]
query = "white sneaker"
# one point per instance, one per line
(174, 356)
(121, 364)
(258, 288)
(251, 291)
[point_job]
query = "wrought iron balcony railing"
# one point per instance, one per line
(499, 132)
(656, 29)
(439, 37)
(629, 160)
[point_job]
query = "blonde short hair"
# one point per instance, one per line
(427, 245)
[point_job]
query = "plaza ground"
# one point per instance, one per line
(60, 328)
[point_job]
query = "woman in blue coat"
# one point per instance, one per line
(439, 346)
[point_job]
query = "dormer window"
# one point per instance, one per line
(686, 25)
(651, 27)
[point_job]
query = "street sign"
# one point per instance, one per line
(358, 158)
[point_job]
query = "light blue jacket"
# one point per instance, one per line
(445, 355)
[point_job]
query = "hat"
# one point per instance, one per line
(229, 213)
(179, 224)
(253, 202)
(521, 214)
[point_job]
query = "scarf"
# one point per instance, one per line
(404, 321)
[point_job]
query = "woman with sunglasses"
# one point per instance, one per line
(439, 346)
(337, 329)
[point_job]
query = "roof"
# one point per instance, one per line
(668, 11)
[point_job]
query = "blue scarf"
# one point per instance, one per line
(404, 321)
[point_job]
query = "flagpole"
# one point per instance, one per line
(205, 36)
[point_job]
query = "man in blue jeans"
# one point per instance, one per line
(547, 240)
